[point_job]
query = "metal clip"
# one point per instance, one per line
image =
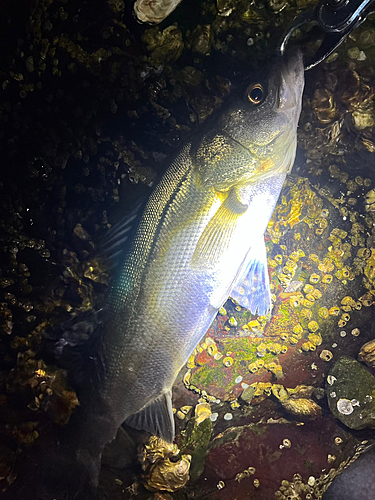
(336, 19)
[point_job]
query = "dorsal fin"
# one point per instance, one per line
(115, 241)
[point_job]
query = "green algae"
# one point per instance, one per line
(195, 441)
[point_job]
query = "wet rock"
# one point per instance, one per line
(201, 39)
(165, 46)
(351, 394)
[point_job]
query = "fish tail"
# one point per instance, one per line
(70, 477)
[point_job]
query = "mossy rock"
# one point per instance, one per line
(350, 391)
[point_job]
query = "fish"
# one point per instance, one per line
(357, 481)
(197, 240)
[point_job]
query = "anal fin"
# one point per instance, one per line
(157, 418)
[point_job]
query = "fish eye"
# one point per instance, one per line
(255, 93)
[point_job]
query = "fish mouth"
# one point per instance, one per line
(236, 141)
(246, 148)
(259, 165)
(291, 71)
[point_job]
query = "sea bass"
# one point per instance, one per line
(199, 240)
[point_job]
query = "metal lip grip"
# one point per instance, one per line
(336, 19)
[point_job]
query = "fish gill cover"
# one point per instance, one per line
(91, 106)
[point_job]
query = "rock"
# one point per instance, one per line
(350, 391)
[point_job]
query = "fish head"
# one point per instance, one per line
(266, 122)
(256, 134)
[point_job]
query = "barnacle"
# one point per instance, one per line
(358, 305)
(315, 338)
(298, 329)
(287, 443)
(275, 348)
(308, 289)
(253, 367)
(310, 298)
(246, 473)
(260, 363)
(308, 303)
(275, 368)
(183, 411)
(323, 312)
(317, 294)
(262, 388)
(367, 300)
(280, 392)
(228, 361)
(253, 325)
(367, 353)
(190, 362)
(364, 253)
(234, 404)
(345, 317)
(348, 301)
(202, 411)
(334, 311)
(326, 355)
(313, 326)
(314, 258)
(278, 259)
(308, 346)
(306, 314)
(187, 378)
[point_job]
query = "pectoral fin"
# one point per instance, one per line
(253, 292)
(157, 418)
(215, 239)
